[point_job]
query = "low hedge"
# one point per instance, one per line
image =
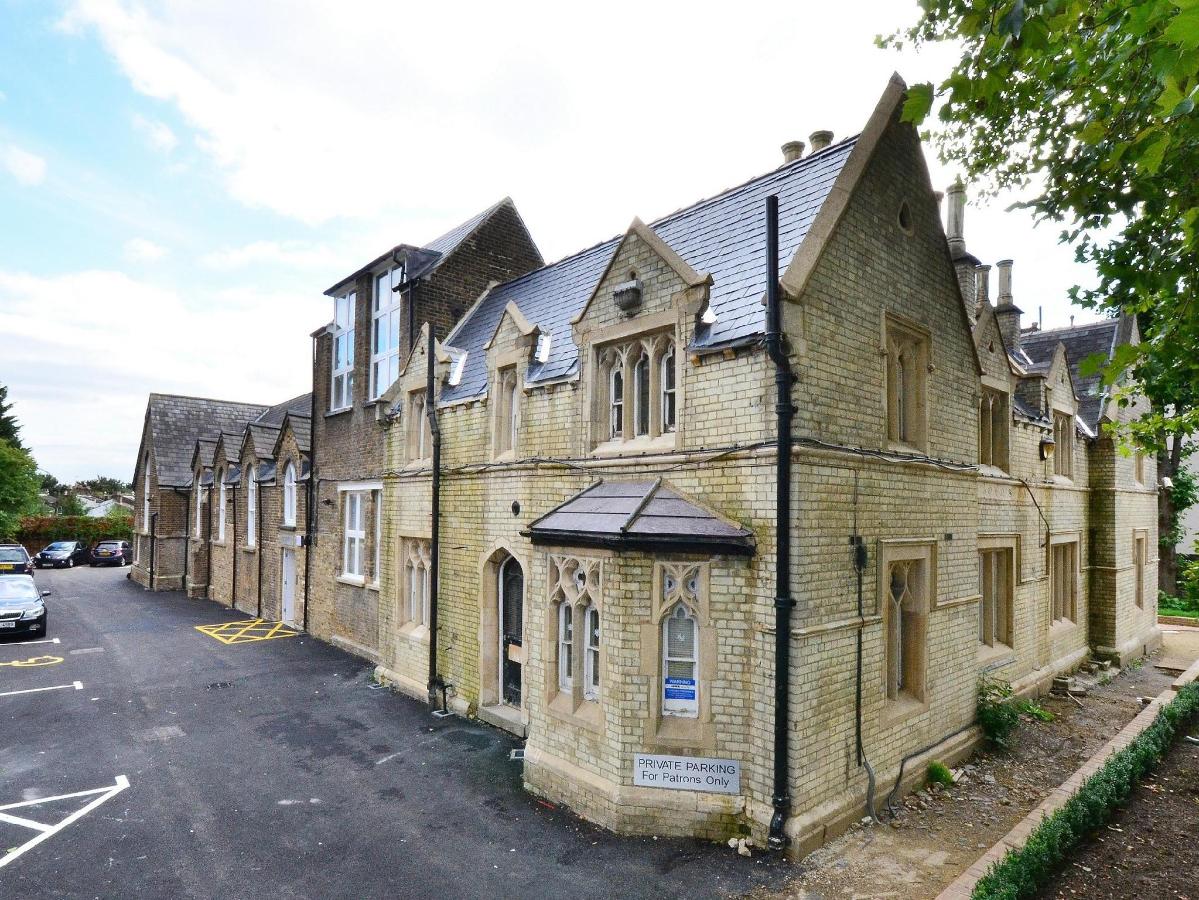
(38, 531)
(1022, 872)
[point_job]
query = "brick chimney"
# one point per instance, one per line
(820, 140)
(964, 263)
(792, 150)
(1006, 312)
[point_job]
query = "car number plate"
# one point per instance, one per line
(103, 553)
(8, 624)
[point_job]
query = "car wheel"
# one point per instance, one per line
(70, 563)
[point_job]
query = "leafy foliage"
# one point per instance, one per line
(1183, 495)
(1088, 107)
(997, 712)
(104, 486)
(8, 423)
(35, 532)
(71, 505)
(939, 773)
(19, 484)
(1022, 872)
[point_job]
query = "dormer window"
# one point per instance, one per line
(639, 374)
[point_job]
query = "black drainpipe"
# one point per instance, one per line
(310, 500)
(859, 564)
(153, 545)
(233, 541)
(208, 544)
(783, 601)
(435, 681)
(187, 530)
(258, 543)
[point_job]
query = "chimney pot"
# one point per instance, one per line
(1005, 282)
(954, 227)
(792, 150)
(820, 140)
(982, 280)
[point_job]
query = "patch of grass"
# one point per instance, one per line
(1022, 872)
(1034, 710)
(938, 773)
(1185, 612)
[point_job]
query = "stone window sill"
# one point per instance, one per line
(353, 580)
(901, 709)
(995, 656)
(373, 586)
(640, 445)
(1062, 628)
(415, 633)
(901, 447)
(249, 548)
(338, 412)
(585, 715)
(993, 471)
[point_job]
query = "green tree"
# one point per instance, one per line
(71, 505)
(1087, 108)
(9, 428)
(104, 486)
(19, 485)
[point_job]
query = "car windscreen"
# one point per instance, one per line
(61, 545)
(17, 589)
(108, 545)
(11, 554)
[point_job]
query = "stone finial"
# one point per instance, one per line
(792, 150)
(820, 140)
(954, 226)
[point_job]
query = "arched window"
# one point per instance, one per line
(668, 396)
(248, 475)
(507, 410)
(591, 659)
(616, 401)
(220, 516)
(289, 494)
(512, 410)
(680, 663)
(641, 395)
(565, 646)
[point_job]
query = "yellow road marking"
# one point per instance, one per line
(245, 631)
(33, 661)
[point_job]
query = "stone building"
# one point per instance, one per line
(600, 576)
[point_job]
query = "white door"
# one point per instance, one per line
(289, 586)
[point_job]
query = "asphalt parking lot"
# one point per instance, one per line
(156, 751)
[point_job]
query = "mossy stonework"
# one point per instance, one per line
(605, 578)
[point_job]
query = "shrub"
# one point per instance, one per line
(35, 532)
(1022, 872)
(938, 773)
(998, 715)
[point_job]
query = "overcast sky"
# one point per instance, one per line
(180, 181)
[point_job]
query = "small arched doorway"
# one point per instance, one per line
(511, 591)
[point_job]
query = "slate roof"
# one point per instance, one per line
(301, 427)
(264, 437)
(635, 515)
(426, 257)
(175, 423)
(301, 405)
(1081, 341)
(724, 236)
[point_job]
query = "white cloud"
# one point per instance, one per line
(27, 168)
(157, 134)
(143, 250)
(293, 254)
(87, 347)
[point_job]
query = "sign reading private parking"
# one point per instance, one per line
(687, 773)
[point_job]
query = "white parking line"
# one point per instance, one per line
(77, 685)
(48, 831)
(43, 641)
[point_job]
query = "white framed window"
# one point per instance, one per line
(289, 494)
(220, 516)
(251, 503)
(666, 379)
(385, 332)
(591, 658)
(680, 663)
(199, 498)
(566, 646)
(341, 395)
(616, 403)
(354, 535)
(377, 503)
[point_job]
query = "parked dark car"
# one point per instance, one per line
(62, 555)
(112, 553)
(22, 606)
(14, 560)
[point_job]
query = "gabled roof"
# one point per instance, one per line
(724, 237)
(423, 259)
(639, 515)
(301, 427)
(301, 405)
(174, 424)
(1080, 342)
